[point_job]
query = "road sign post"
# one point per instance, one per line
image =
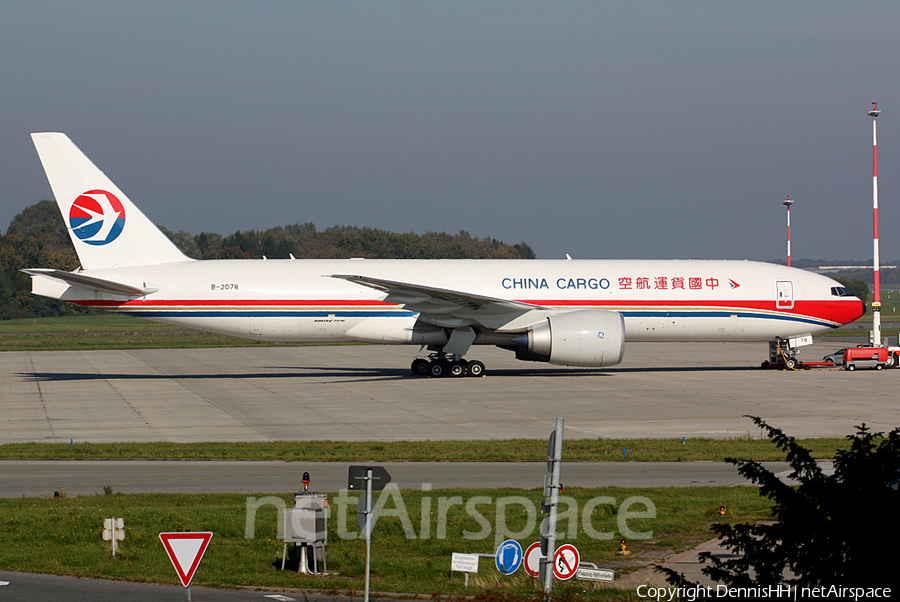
(186, 550)
(464, 563)
(356, 477)
(113, 532)
(548, 527)
(367, 478)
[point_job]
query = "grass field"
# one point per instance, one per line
(106, 331)
(88, 324)
(109, 331)
(63, 535)
(508, 450)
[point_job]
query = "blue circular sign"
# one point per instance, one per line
(508, 557)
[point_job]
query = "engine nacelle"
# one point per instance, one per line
(587, 337)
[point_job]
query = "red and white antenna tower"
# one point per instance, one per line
(876, 304)
(787, 203)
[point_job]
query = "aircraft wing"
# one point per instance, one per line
(90, 282)
(445, 307)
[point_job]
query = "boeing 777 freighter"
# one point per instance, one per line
(566, 312)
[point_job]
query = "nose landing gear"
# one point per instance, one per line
(443, 364)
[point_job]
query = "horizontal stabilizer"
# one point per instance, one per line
(91, 282)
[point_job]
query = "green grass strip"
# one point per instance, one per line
(63, 536)
(509, 450)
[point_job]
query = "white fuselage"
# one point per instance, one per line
(661, 300)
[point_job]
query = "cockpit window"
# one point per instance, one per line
(840, 291)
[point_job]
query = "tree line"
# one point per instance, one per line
(37, 237)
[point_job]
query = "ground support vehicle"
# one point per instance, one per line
(783, 353)
(866, 357)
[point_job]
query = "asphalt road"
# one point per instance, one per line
(29, 587)
(34, 478)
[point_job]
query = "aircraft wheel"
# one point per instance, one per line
(420, 367)
(891, 360)
(437, 369)
(457, 369)
(790, 363)
(475, 368)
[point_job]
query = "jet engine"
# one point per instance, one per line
(587, 337)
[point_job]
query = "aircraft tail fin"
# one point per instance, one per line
(107, 229)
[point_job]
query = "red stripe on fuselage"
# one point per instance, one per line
(838, 311)
(239, 303)
(841, 311)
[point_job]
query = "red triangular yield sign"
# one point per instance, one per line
(185, 550)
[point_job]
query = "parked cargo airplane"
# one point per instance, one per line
(567, 312)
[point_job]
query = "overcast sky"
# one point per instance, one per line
(599, 129)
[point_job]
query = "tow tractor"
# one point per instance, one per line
(783, 354)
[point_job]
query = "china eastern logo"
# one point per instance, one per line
(97, 217)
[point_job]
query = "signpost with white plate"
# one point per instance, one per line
(464, 563)
(605, 575)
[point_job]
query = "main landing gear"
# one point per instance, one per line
(444, 364)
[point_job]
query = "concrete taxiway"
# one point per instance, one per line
(367, 393)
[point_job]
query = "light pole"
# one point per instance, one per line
(787, 203)
(876, 304)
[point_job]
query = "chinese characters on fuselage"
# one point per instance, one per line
(659, 283)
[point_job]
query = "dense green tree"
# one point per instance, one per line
(210, 245)
(36, 237)
(43, 222)
(339, 242)
(183, 240)
(830, 529)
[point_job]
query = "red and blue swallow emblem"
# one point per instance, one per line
(97, 217)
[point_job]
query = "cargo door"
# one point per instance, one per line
(785, 298)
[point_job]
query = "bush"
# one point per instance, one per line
(831, 529)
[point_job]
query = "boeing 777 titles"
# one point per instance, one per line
(566, 312)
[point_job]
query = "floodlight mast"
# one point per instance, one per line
(787, 203)
(876, 304)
